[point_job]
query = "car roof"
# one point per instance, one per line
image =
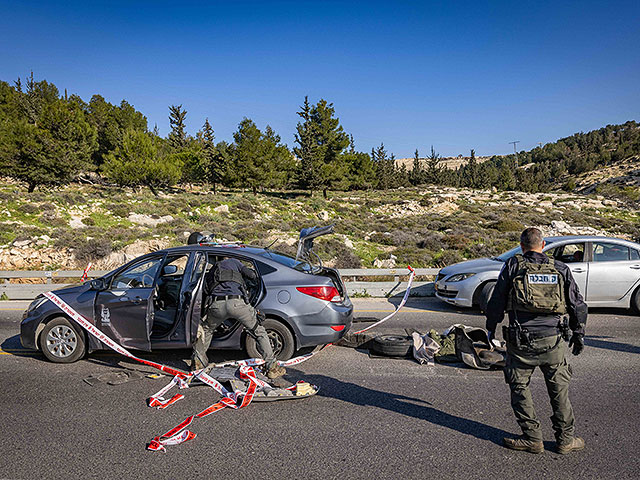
(591, 238)
(218, 248)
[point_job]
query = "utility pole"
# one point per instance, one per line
(515, 151)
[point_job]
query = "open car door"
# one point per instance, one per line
(256, 291)
(124, 311)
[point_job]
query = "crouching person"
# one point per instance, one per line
(225, 294)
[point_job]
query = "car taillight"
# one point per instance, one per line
(330, 294)
(337, 328)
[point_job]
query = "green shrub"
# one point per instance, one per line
(119, 209)
(347, 259)
(431, 241)
(28, 208)
(93, 249)
(414, 257)
(447, 257)
(507, 225)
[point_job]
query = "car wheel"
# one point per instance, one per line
(61, 342)
(392, 345)
(281, 338)
(635, 301)
(485, 295)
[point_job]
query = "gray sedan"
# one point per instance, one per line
(607, 271)
(154, 302)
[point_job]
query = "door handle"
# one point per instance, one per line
(578, 270)
(635, 267)
(135, 300)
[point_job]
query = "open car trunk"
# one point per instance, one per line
(306, 253)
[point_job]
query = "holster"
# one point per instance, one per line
(565, 331)
(516, 335)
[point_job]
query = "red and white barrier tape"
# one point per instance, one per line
(400, 305)
(303, 358)
(234, 400)
(96, 332)
(86, 270)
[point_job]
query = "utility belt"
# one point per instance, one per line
(222, 298)
(519, 336)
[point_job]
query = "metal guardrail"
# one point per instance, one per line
(26, 291)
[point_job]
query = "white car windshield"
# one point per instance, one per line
(514, 251)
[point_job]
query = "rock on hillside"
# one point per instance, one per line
(426, 226)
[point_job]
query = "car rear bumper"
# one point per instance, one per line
(317, 329)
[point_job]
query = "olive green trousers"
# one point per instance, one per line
(547, 353)
(216, 314)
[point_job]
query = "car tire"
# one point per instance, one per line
(485, 295)
(282, 341)
(61, 341)
(392, 345)
(635, 301)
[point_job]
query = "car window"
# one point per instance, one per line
(610, 252)
(200, 263)
(139, 275)
(516, 250)
(507, 255)
(286, 260)
(569, 253)
(634, 254)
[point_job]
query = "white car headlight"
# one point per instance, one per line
(459, 277)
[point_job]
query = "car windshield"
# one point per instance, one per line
(507, 255)
(514, 251)
(286, 260)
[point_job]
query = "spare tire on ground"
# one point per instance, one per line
(392, 345)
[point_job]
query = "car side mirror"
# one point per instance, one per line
(169, 269)
(98, 284)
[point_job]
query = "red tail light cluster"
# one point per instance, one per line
(330, 294)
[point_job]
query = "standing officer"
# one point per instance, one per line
(536, 292)
(226, 297)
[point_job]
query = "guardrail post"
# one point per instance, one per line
(48, 277)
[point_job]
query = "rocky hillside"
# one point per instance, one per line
(432, 226)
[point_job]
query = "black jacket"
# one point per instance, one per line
(228, 288)
(576, 308)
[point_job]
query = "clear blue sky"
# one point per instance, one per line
(457, 75)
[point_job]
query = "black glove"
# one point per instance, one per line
(577, 341)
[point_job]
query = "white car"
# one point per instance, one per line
(607, 271)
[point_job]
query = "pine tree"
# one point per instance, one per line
(49, 140)
(321, 141)
(307, 150)
(137, 161)
(213, 162)
(178, 135)
(416, 175)
(433, 172)
(384, 167)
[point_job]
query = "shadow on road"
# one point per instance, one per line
(594, 341)
(12, 346)
(411, 407)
